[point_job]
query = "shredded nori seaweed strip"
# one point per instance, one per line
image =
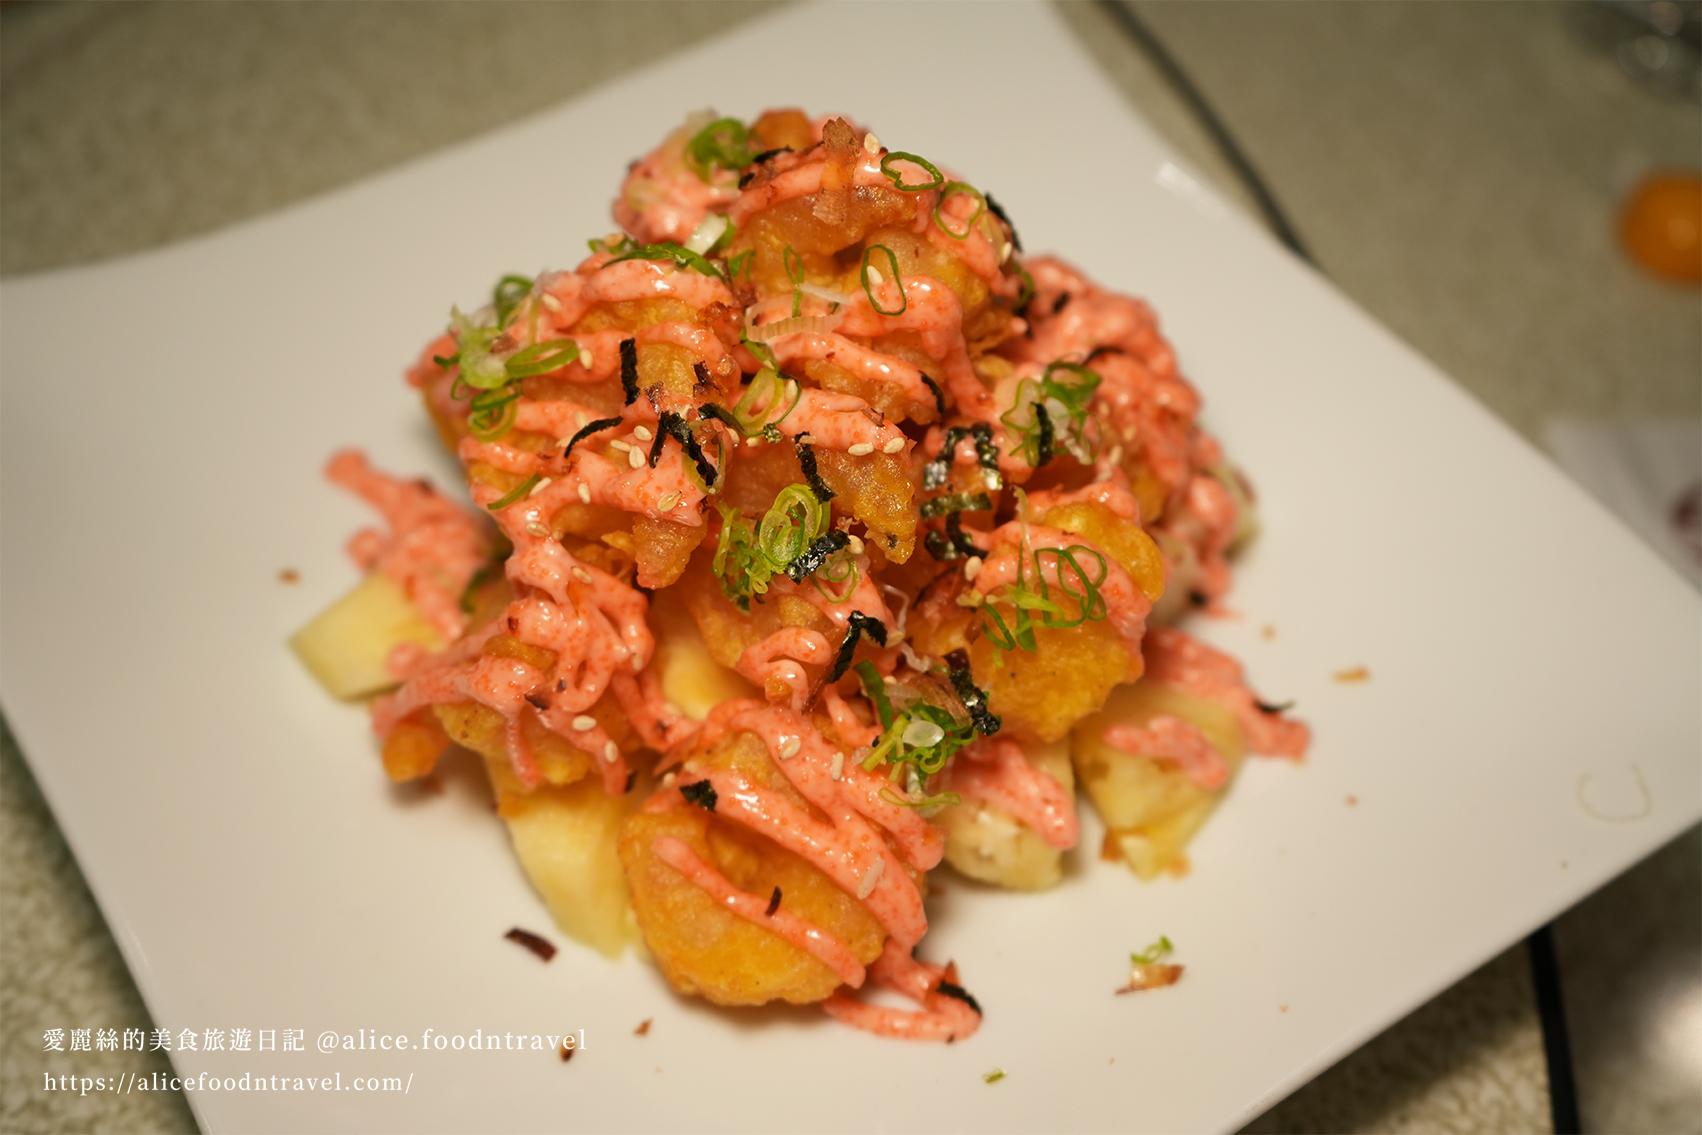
(631, 779)
(766, 154)
(1267, 707)
(860, 624)
(970, 694)
(537, 943)
(807, 462)
(1043, 444)
(999, 212)
(1097, 351)
(629, 369)
(815, 555)
(939, 395)
(538, 701)
(954, 543)
(586, 431)
(701, 793)
(1198, 598)
(1061, 302)
(936, 472)
(672, 425)
(955, 502)
(773, 903)
(961, 994)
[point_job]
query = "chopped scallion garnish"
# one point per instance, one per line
(723, 144)
(868, 290)
(897, 177)
(953, 187)
(515, 493)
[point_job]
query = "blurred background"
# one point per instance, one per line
(1510, 187)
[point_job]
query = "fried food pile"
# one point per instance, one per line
(822, 536)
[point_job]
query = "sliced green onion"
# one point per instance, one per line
(508, 294)
(668, 250)
(904, 300)
(1156, 951)
(897, 177)
(874, 688)
(516, 493)
(542, 358)
(724, 144)
(740, 264)
(950, 188)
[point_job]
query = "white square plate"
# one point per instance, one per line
(1530, 727)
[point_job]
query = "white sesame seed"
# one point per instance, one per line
(584, 492)
(1003, 257)
(550, 302)
(791, 390)
(585, 360)
(855, 543)
(890, 679)
(642, 433)
(635, 457)
(611, 752)
(861, 449)
(580, 417)
(875, 276)
(620, 446)
(838, 766)
(867, 886)
(638, 662)
(893, 446)
(580, 574)
(668, 780)
(753, 442)
(789, 748)
(871, 143)
(667, 503)
(564, 442)
(972, 568)
(584, 723)
(537, 529)
(1116, 455)
(540, 487)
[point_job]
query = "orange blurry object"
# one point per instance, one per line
(1662, 226)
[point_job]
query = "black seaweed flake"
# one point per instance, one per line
(773, 903)
(986, 452)
(1043, 445)
(1098, 351)
(971, 695)
(538, 701)
(815, 555)
(586, 431)
(954, 502)
(1267, 707)
(936, 472)
(860, 624)
(939, 395)
(961, 994)
(629, 369)
(631, 778)
(672, 425)
(807, 462)
(999, 212)
(701, 793)
(1061, 302)
(1198, 598)
(703, 378)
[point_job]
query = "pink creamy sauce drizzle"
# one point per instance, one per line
(1169, 738)
(942, 1017)
(852, 848)
(995, 771)
(596, 625)
(1174, 659)
(433, 550)
(800, 932)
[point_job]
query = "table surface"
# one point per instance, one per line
(1454, 168)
